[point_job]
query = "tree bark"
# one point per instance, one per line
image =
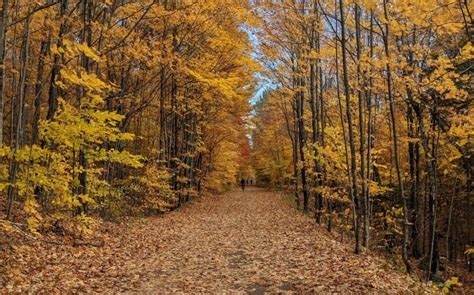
(396, 153)
(3, 53)
(54, 90)
(355, 188)
(362, 215)
(19, 134)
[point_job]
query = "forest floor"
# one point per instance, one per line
(240, 242)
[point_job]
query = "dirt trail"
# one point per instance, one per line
(243, 242)
(254, 242)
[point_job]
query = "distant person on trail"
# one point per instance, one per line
(242, 184)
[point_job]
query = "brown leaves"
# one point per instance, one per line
(244, 242)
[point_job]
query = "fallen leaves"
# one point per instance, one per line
(239, 242)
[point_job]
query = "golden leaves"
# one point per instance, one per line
(72, 49)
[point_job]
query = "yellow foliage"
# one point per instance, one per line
(450, 283)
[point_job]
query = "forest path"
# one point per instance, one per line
(239, 242)
(254, 242)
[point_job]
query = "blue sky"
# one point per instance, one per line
(264, 82)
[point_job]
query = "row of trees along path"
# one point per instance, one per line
(369, 119)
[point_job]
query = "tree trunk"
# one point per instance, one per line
(302, 141)
(314, 106)
(54, 90)
(395, 146)
(362, 215)
(19, 134)
(355, 188)
(44, 48)
(343, 128)
(367, 202)
(3, 54)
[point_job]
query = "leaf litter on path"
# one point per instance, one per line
(240, 242)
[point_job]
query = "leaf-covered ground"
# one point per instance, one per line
(238, 242)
